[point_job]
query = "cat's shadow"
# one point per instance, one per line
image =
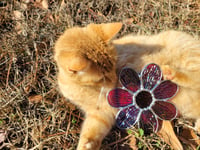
(133, 52)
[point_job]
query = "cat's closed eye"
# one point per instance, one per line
(72, 71)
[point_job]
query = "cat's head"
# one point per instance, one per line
(85, 54)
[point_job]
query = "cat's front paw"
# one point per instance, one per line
(88, 144)
(168, 72)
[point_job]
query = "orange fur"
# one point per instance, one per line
(88, 60)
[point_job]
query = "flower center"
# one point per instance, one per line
(143, 99)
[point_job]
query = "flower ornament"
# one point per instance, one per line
(143, 99)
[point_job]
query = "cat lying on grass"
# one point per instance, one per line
(88, 61)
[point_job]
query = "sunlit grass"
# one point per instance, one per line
(33, 114)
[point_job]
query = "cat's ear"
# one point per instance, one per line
(106, 30)
(72, 62)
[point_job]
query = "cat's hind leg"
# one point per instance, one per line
(184, 77)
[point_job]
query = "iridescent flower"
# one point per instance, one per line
(143, 99)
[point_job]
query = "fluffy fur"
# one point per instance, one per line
(88, 60)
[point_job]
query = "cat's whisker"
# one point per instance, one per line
(99, 102)
(102, 91)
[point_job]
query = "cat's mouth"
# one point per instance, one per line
(104, 79)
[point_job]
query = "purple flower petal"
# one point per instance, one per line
(165, 110)
(151, 75)
(129, 79)
(148, 122)
(119, 98)
(127, 117)
(165, 90)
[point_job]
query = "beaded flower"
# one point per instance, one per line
(143, 99)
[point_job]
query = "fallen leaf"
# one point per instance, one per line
(189, 137)
(35, 98)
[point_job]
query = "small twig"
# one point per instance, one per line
(132, 5)
(69, 123)
(27, 134)
(36, 61)
(78, 116)
(56, 134)
(119, 141)
(5, 145)
(93, 13)
(47, 122)
(9, 68)
(41, 143)
(10, 101)
(28, 77)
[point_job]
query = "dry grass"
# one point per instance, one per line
(33, 115)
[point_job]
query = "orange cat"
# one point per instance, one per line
(87, 59)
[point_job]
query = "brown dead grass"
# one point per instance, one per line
(33, 115)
